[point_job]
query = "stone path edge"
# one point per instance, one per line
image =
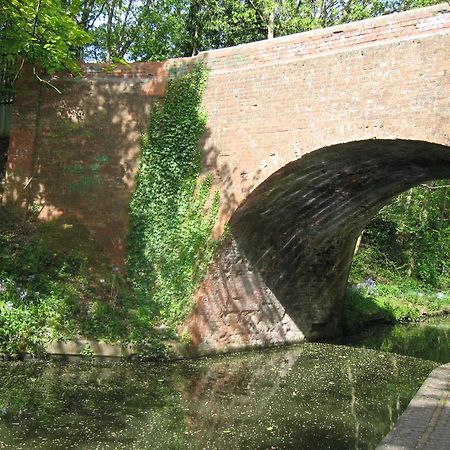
(425, 424)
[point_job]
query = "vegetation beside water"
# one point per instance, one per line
(52, 286)
(401, 271)
(55, 286)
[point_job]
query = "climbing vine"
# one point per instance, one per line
(169, 242)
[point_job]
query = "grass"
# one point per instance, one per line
(56, 286)
(391, 302)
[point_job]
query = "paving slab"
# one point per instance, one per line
(425, 424)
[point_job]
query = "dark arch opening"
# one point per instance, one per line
(299, 228)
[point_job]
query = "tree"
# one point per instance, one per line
(410, 237)
(54, 33)
(163, 32)
(114, 26)
(41, 32)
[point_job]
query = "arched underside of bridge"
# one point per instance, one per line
(298, 229)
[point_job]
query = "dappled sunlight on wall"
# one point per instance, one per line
(82, 158)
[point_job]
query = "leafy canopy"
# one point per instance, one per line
(150, 30)
(55, 33)
(42, 32)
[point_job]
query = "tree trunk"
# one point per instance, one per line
(358, 243)
(195, 41)
(271, 23)
(109, 32)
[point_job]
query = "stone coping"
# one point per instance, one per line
(83, 347)
(87, 347)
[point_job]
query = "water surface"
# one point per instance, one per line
(312, 396)
(427, 340)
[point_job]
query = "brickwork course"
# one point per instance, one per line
(425, 424)
(308, 136)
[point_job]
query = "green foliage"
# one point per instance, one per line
(29, 318)
(409, 239)
(389, 302)
(56, 286)
(133, 31)
(169, 243)
(54, 33)
(361, 308)
(87, 350)
(7, 75)
(406, 250)
(41, 31)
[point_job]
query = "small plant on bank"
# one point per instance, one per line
(87, 350)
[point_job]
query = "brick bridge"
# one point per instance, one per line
(308, 137)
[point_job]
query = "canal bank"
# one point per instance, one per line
(425, 424)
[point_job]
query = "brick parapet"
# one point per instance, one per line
(405, 25)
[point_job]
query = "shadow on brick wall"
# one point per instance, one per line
(86, 143)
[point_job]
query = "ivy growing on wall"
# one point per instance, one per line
(169, 242)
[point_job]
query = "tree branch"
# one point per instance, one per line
(45, 81)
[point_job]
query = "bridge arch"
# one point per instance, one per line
(284, 271)
(299, 228)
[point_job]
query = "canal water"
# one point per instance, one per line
(310, 396)
(427, 340)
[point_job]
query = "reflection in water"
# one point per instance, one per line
(427, 340)
(313, 396)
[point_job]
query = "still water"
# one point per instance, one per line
(427, 340)
(311, 396)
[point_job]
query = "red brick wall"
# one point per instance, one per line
(283, 275)
(74, 153)
(271, 102)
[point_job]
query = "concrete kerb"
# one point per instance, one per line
(425, 424)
